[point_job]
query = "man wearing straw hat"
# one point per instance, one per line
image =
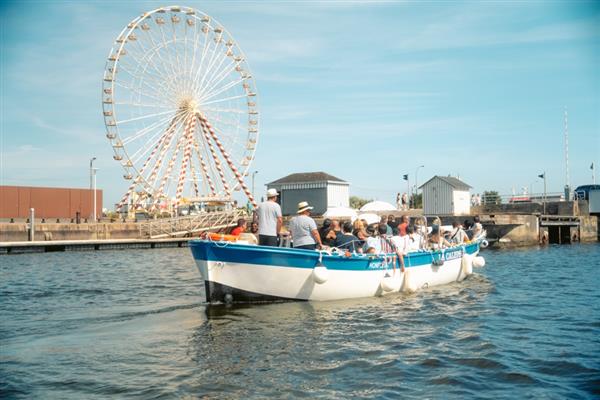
(304, 229)
(269, 218)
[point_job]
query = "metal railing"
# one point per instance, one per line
(182, 226)
(520, 198)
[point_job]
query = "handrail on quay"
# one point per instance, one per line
(181, 226)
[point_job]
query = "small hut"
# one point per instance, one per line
(446, 195)
(321, 190)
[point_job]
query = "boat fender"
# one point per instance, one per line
(320, 273)
(467, 266)
(228, 298)
(390, 283)
(484, 244)
(409, 284)
(478, 262)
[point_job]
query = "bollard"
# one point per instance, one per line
(31, 224)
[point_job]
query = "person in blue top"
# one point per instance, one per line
(347, 241)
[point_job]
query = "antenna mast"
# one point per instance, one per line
(567, 183)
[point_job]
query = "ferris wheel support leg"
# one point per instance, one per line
(189, 128)
(206, 133)
(205, 173)
(228, 159)
(170, 165)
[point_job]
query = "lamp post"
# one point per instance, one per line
(543, 176)
(253, 173)
(417, 183)
(93, 185)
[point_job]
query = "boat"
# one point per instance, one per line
(235, 272)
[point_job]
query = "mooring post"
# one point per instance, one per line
(31, 224)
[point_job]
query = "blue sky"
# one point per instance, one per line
(366, 91)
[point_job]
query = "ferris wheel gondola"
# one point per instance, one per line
(180, 109)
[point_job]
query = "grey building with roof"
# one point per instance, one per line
(321, 190)
(446, 195)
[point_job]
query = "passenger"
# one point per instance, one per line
(384, 221)
(477, 228)
(415, 240)
(346, 240)
(254, 228)
(458, 235)
(371, 250)
(421, 226)
(240, 228)
(304, 229)
(384, 245)
(360, 232)
(325, 228)
(436, 240)
(392, 222)
(401, 242)
(268, 216)
(372, 238)
(333, 233)
(403, 225)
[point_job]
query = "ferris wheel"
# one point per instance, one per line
(180, 109)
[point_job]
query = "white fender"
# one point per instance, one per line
(391, 283)
(478, 262)
(484, 243)
(320, 274)
(409, 283)
(466, 266)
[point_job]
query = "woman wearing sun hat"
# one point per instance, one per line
(304, 229)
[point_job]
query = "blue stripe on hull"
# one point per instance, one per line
(298, 258)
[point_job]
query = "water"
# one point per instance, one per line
(132, 324)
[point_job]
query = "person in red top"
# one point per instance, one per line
(240, 228)
(403, 226)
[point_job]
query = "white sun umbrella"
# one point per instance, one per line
(370, 218)
(341, 212)
(377, 206)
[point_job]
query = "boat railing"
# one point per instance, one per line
(187, 225)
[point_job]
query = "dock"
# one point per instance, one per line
(90, 245)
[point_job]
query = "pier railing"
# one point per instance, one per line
(182, 226)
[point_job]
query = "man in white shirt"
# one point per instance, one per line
(269, 218)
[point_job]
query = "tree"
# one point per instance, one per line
(417, 200)
(357, 202)
(491, 197)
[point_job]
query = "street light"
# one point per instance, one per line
(253, 173)
(543, 176)
(417, 183)
(93, 184)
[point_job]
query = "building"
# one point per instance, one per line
(321, 190)
(15, 202)
(446, 195)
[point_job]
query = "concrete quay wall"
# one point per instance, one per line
(18, 232)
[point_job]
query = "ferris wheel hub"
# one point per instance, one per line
(189, 105)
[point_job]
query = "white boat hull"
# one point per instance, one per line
(230, 279)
